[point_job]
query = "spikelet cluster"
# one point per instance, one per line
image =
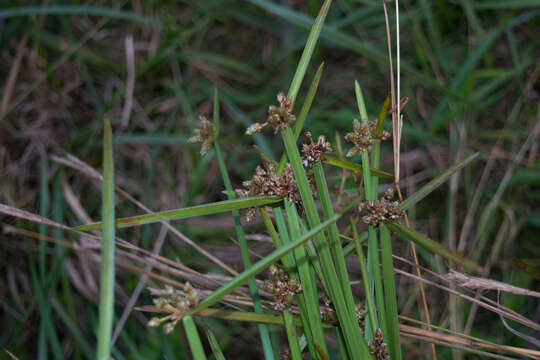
(313, 152)
(384, 209)
(282, 288)
(279, 117)
(204, 135)
(266, 181)
(362, 136)
(377, 347)
(174, 302)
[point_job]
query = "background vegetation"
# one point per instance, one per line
(471, 73)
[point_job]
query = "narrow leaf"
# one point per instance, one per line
(349, 165)
(106, 293)
(193, 211)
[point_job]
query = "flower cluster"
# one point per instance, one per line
(282, 288)
(377, 347)
(174, 302)
(204, 135)
(375, 211)
(314, 151)
(279, 117)
(362, 136)
(266, 181)
(328, 312)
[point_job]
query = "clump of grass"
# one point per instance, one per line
(312, 290)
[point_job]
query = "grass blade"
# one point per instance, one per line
(308, 51)
(434, 246)
(106, 295)
(214, 344)
(193, 338)
(184, 213)
(349, 165)
(390, 295)
(290, 327)
(436, 182)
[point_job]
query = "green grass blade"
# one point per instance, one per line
(307, 280)
(370, 300)
(214, 344)
(259, 266)
(349, 165)
(390, 295)
(360, 101)
(306, 106)
(308, 51)
(436, 182)
(357, 348)
(333, 234)
(290, 327)
(254, 293)
(193, 338)
(199, 210)
(434, 246)
(106, 295)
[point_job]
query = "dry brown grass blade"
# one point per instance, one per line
(478, 283)
(130, 81)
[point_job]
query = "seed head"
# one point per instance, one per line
(377, 347)
(204, 135)
(279, 117)
(282, 288)
(362, 136)
(384, 209)
(314, 151)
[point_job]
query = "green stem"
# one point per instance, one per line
(193, 338)
(294, 346)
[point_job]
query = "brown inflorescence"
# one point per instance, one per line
(363, 135)
(204, 135)
(313, 152)
(174, 302)
(266, 181)
(384, 209)
(279, 117)
(377, 347)
(282, 288)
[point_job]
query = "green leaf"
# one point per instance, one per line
(193, 338)
(106, 288)
(436, 182)
(434, 246)
(349, 165)
(199, 210)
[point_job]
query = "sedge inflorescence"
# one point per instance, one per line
(377, 347)
(266, 181)
(282, 288)
(174, 302)
(362, 136)
(279, 117)
(204, 135)
(313, 152)
(384, 209)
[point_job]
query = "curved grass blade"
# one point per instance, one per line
(106, 292)
(437, 181)
(349, 165)
(214, 344)
(198, 210)
(434, 246)
(193, 338)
